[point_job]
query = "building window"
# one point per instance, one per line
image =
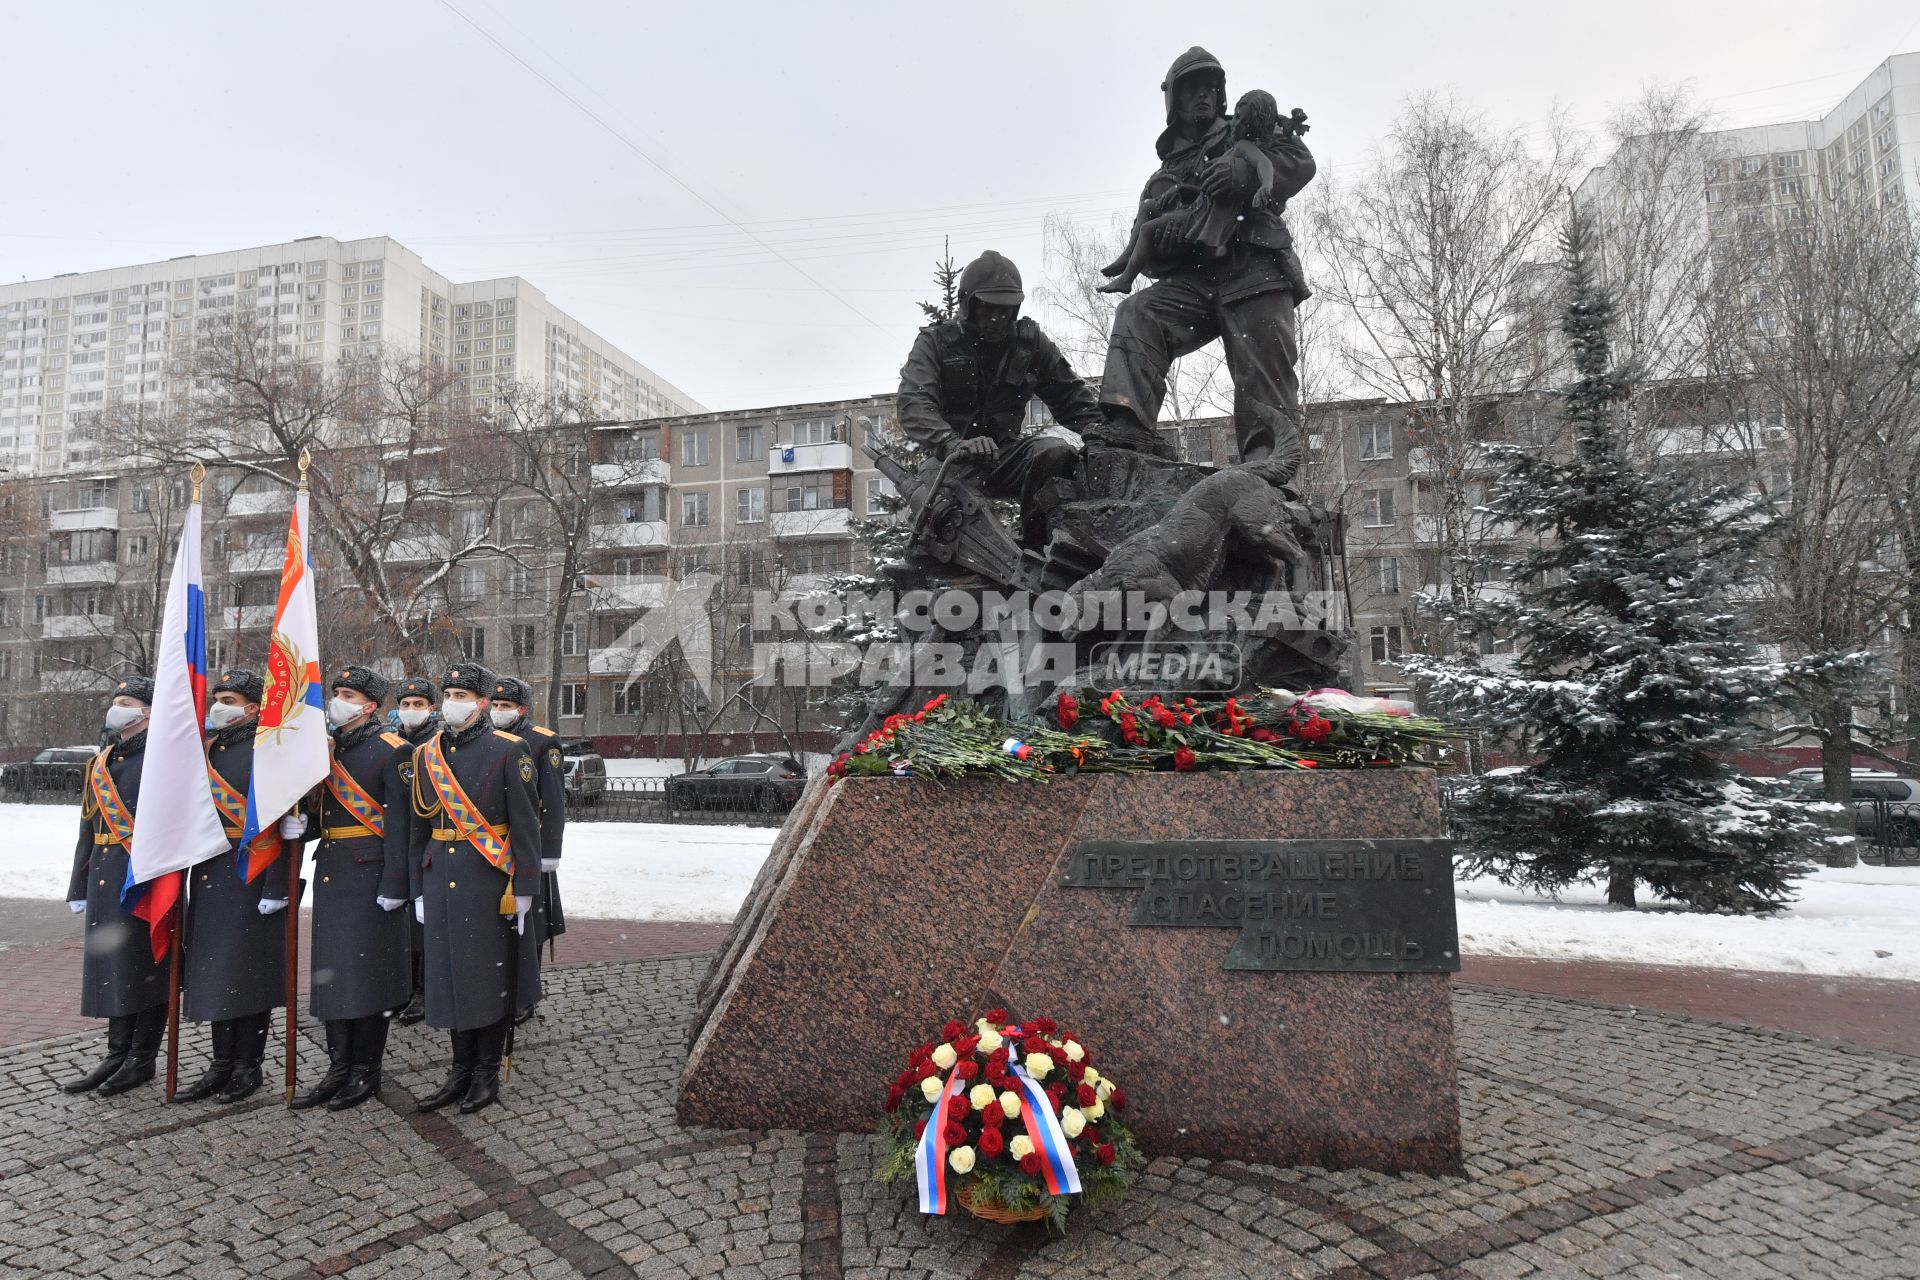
(749, 443)
(693, 449)
(573, 698)
(818, 431)
(817, 557)
(471, 583)
(627, 699)
(520, 582)
(750, 505)
(473, 644)
(810, 492)
(880, 492)
(644, 447)
(1376, 441)
(523, 639)
(137, 547)
(750, 567)
(642, 507)
(1376, 508)
(570, 640)
(693, 510)
(1387, 575)
(1385, 644)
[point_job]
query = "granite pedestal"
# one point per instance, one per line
(890, 905)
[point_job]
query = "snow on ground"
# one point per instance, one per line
(647, 768)
(1844, 919)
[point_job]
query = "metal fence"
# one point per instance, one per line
(19, 785)
(1889, 833)
(711, 800)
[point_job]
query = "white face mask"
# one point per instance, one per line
(457, 714)
(502, 717)
(221, 714)
(119, 718)
(413, 717)
(341, 712)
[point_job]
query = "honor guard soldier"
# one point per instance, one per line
(360, 967)
(119, 978)
(511, 710)
(476, 871)
(235, 961)
(416, 712)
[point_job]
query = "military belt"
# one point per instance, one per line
(105, 837)
(234, 833)
(352, 832)
(450, 833)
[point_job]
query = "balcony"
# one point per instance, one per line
(419, 548)
(78, 518)
(246, 616)
(272, 502)
(619, 597)
(76, 626)
(823, 523)
(632, 533)
(257, 560)
(89, 573)
(1468, 460)
(74, 681)
(631, 475)
(614, 662)
(834, 456)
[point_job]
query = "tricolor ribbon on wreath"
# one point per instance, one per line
(1050, 1143)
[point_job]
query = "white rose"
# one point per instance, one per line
(1074, 1051)
(1038, 1064)
(1104, 1089)
(1010, 1104)
(944, 1057)
(1021, 1146)
(1072, 1122)
(961, 1159)
(982, 1096)
(930, 1088)
(1092, 1076)
(1097, 1110)
(990, 1040)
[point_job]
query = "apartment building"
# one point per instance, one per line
(79, 344)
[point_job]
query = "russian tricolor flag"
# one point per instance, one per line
(175, 822)
(290, 742)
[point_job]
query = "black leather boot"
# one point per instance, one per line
(217, 1072)
(148, 1026)
(249, 1052)
(416, 1008)
(119, 1044)
(484, 1089)
(369, 1047)
(339, 1062)
(466, 1045)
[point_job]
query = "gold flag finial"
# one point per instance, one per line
(306, 460)
(198, 475)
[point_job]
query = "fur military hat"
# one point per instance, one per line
(140, 687)
(470, 676)
(417, 687)
(362, 680)
(247, 684)
(512, 689)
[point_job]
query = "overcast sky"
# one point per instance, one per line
(788, 170)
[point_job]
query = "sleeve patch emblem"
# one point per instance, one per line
(526, 769)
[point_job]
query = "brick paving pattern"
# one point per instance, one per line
(1601, 1140)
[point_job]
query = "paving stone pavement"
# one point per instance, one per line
(1600, 1141)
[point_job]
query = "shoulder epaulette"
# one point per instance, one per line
(510, 737)
(543, 731)
(392, 739)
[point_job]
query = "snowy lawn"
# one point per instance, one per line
(649, 871)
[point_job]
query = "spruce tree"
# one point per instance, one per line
(946, 278)
(1631, 680)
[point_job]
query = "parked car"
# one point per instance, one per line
(586, 772)
(1886, 806)
(55, 771)
(766, 783)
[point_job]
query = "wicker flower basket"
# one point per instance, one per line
(988, 1210)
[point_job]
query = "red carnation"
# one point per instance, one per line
(920, 1128)
(1130, 728)
(1084, 1095)
(894, 1097)
(1182, 759)
(1265, 735)
(1164, 718)
(1316, 729)
(1104, 1153)
(996, 1016)
(952, 1030)
(1067, 711)
(1030, 1164)
(991, 1143)
(838, 767)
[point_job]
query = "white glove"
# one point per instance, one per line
(79, 907)
(419, 910)
(293, 826)
(549, 864)
(520, 908)
(391, 904)
(270, 905)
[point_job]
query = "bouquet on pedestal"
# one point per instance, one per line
(1012, 1120)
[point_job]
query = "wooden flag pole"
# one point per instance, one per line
(173, 987)
(292, 850)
